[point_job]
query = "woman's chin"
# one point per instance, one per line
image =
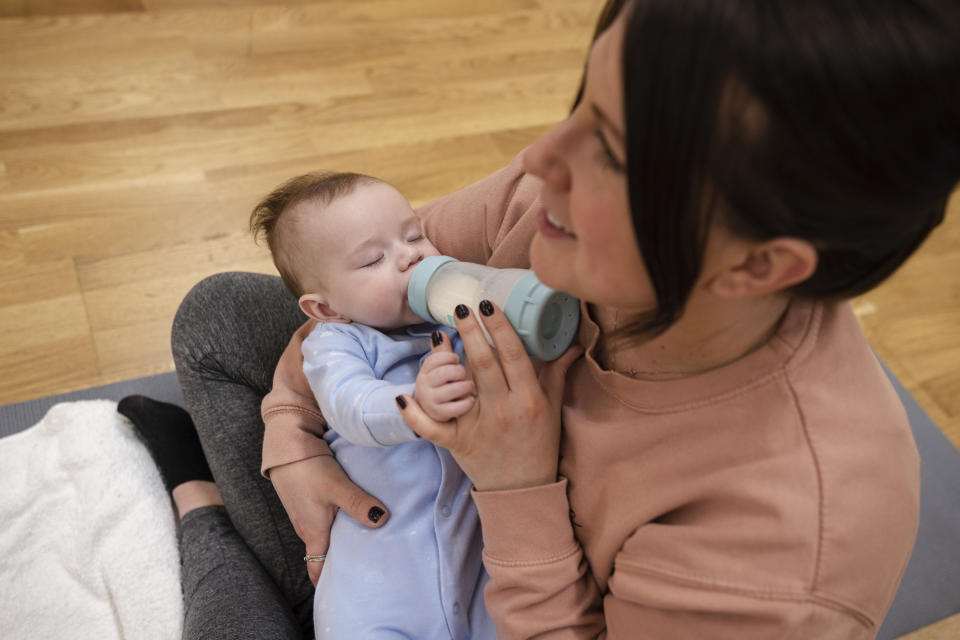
(548, 268)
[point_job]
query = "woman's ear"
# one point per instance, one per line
(316, 307)
(766, 267)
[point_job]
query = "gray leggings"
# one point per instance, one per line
(243, 569)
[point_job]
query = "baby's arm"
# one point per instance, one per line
(356, 404)
(444, 388)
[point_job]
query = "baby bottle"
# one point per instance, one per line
(546, 320)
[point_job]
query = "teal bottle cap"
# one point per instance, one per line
(420, 280)
(545, 319)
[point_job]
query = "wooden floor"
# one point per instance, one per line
(136, 134)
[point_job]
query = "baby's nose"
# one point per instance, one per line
(412, 258)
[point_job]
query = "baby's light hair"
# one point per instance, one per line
(322, 187)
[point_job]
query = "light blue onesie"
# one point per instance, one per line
(420, 575)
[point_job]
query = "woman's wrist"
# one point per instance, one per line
(514, 483)
(524, 524)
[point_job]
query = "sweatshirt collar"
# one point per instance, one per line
(797, 333)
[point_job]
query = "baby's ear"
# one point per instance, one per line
(316, 307)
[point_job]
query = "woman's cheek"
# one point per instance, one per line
(548, 268)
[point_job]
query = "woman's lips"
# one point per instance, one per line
(550, 230)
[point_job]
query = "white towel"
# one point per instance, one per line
(88, 545)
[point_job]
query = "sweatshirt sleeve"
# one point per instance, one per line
(541, 586)
(488, 222)
(540, 583)
(292, 423)
(360, 407)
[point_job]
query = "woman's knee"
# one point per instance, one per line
(197, 316)
(233, 311)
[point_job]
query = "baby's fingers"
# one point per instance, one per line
(453, 391)
(450, 410)
(446, 374)
(439, 359)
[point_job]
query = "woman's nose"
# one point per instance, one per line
(546, 159)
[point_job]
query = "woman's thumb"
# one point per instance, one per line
(422, 424)
(363, 507)
(553, 375)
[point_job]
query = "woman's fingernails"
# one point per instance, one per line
(401, 402)
(375, 514)
(486, 308)
(436, 337)
(462, 311)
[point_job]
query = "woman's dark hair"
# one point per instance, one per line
(834, 121)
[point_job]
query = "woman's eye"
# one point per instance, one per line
(607, 157)
(374, 263)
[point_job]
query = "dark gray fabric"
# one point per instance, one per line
(226, 592)
(930, 589)
(228, 335)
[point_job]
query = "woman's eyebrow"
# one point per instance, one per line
(607, 121)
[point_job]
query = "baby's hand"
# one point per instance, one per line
(444, 388)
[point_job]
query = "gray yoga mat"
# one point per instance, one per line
(930, 590)
(19, 416)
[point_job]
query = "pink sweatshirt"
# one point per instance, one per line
(776, 497)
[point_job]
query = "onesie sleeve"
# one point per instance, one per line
(357, 405)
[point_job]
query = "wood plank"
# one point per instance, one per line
(28, 8)
(136, 350)
(46, 344)
(23, 283)
(948, 629)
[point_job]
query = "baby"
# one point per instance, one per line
(346, 244)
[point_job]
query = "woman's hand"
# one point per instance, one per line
(510, 438)
(312, 491)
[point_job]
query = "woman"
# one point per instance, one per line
(727, 459)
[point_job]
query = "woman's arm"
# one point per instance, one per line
(540, 581)
(508, 444)
(541, 586)
(489, 222)
(293, 424)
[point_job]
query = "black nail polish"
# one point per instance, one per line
(436, 337)
(375, 514)
(486, 308)
(401, 402)
(462, 311)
